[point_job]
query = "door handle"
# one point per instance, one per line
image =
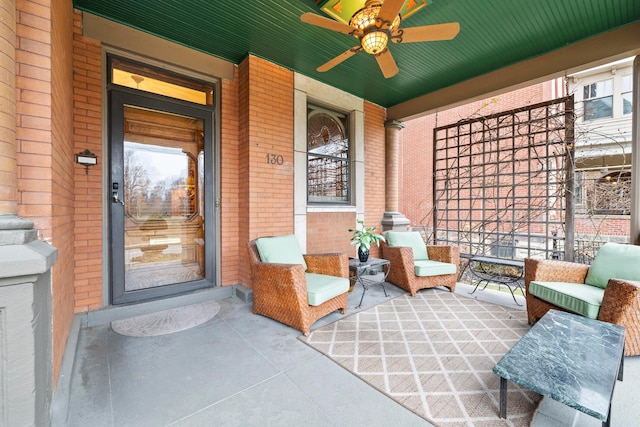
(116, 199)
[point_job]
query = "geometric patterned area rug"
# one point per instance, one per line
(434, 354)
(167, 321)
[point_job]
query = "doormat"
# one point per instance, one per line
(433, 354)
(167, 321)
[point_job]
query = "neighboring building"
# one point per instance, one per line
(603, 107)
(603, 101)
(416, 154)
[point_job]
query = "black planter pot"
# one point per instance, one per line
(363, 254)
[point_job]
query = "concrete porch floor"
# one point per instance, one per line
(239, 369)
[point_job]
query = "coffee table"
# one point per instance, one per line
(568, 358)
(358, 269)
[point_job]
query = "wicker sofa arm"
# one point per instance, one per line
(401, 257)
(280, 280)
(621, 305)
(450, 254)
(620, 300)
(331, 264)
(546, 270)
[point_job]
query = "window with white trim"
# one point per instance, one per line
(627, 94)
(598, 100)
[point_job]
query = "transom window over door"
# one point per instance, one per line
(328, 160)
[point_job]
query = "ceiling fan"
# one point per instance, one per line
(374, 25)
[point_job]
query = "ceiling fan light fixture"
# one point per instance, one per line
(374, 42)
(365, 17)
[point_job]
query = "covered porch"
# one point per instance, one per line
(240, 369)
(64, 213)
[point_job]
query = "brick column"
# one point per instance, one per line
(392, 219)
(8, 170)
(26, 370)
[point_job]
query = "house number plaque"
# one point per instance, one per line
(275, 159)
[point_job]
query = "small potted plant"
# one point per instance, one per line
(363, 237)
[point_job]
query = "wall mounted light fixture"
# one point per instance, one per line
(86, 158)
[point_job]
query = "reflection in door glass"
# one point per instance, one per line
(163, 181)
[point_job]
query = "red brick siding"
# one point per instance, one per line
(33, 114)
(603, 225)
(87, 134)
(416, 147)
(266, 127)
(233, 249)
(374, 167)
(244, 187)
(63, 166)
(329, 232)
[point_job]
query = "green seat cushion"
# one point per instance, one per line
(321, 288)
(411, 239)
(614, 261)
(280, 250)
(579, 298)
(426, 268)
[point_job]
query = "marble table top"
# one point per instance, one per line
(568, 358)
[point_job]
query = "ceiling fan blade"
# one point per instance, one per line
(330, 24)
(338, 59)
(390, 10)
(427, 33)
(387, 64)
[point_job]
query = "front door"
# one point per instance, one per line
(161, 197)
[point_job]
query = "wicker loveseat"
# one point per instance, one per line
(293, 288)
(608, 290)
(415, 266)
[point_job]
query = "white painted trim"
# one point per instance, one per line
(307, 89)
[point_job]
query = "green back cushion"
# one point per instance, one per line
(614, 261)
(411, 239)
(280, 250)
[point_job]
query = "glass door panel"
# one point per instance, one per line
(158, 200)
(163, 229)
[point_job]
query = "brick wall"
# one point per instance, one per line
(374, 167)
(63, 165)
(602, 226)
(244, 183)
(329, 232)
(416, 147)
(232, 248)
(266, 128)
(87, 134)
(33, 114)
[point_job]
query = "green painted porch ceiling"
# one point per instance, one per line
(493, 34)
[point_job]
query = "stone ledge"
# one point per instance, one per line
(18, 261)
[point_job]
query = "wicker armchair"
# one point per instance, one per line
(402, 271)
(280, 290)
(620, 303)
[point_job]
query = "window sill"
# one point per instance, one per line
(331, 208)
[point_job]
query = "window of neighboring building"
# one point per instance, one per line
(328, 163)
(598, 100)
(627, 95)
(578, 187)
